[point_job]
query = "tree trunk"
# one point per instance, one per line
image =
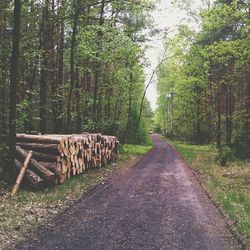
(108, 106)
(31, 83)
(96, 104)
(129, 106)
(14, 83)
(59, 118)
(218, 130)
(21, 174)
(2, 2)
(40, 147)
(198, 124)
(72, 68)
(45, 157)
(50, 139)
(247, 118)
(78, 103)
(229, 116)
(31, 177)
(38, 168)
(95, 93)
(44, 69)
(3, 77)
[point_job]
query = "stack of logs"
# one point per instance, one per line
(56, 158)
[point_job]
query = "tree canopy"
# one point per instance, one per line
(79, 67)
(204, 93)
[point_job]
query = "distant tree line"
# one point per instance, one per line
(204, 88)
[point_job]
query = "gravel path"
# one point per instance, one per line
(157, 204)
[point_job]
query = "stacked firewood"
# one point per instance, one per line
(56, 158)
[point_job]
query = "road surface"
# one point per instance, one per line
(157, 204)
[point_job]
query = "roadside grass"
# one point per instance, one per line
(189, 151)
(134, 149)
(21, 214)
(228, 185)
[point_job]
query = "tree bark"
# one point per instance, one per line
(40, 147)
(218, 130)
(97, 104)
(3, 77)
(21, 174)
(72, 67)
(164, 57)
(31, 177)
(78, 103)
(59, 118)
(198, 113)
(2, 2)
(44, 157)
(50, 139)
(129, 106)
(38, 168)
(14, 83)
(44, 69)
(247, 118)
(229, 115)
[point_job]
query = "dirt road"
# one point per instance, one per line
(157, 204)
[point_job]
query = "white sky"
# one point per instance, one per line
(165, 16)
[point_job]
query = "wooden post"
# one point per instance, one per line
(38, 168)
(21, 174)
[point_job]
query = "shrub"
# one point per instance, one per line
(225, 155)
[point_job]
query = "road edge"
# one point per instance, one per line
(228, 221)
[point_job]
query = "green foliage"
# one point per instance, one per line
(189, 151)
(225, 155)
(136, 134)
(135, 149)
(203, 90)
(89, 58)
(23, 114)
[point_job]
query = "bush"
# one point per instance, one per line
(225, 155)
(120, 149)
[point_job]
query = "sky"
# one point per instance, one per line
(165, 16)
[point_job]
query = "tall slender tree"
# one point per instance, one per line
(14, 81)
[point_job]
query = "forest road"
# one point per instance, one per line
(157, 204)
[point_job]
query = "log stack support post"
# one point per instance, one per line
(21, 174)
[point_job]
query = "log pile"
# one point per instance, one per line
(56, 158)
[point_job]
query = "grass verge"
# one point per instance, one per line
(228, 185)
(20, 215)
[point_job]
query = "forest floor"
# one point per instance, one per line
(157, 204)
(228, 185)
(28, 210)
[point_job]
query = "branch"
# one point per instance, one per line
(164, 58)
